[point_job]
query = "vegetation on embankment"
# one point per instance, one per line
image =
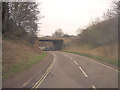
(108, 53)
(19, 31)
(18, 55)
(99, 40)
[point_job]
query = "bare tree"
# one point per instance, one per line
(20, 19)
(101, 32)
(58, 33)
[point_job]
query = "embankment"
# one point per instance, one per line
(18, 55)
(107, 53)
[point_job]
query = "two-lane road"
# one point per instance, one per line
(74, 71)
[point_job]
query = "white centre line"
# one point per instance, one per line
(83, 72)
(75, 62)
(94, 87)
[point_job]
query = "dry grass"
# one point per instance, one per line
(109, 52)
(16, 53)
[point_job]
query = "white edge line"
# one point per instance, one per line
(83, 72)
(75, 62)
(94, 87)
(100, 63)
(105, 65)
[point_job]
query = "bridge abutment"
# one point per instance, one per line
(58, 45)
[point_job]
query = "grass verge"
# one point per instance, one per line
(23, 65)
(107, 60)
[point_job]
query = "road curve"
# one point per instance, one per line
(74, 71)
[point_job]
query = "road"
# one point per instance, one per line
(65, 70)
(74, 71)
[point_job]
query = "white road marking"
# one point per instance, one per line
(97, 62)
(106, 66)
(83, 72)
(75, 62)
(94, 87)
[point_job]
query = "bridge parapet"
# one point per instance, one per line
(57, 42)
(49, 38)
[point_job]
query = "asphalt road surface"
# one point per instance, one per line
(65, 70)
(74, 71)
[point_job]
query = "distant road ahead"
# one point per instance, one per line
(74, 71)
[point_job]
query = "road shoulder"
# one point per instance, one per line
(97, 61)
(27, 77)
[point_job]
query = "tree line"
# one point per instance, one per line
(101, 32)
(19, 20)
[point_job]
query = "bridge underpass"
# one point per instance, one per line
(57, 43)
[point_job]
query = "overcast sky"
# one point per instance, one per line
(69, 15)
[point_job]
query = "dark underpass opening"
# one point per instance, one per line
(50, 45)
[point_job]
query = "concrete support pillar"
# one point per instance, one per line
(58, 44)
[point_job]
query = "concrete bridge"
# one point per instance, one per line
(57, 42)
